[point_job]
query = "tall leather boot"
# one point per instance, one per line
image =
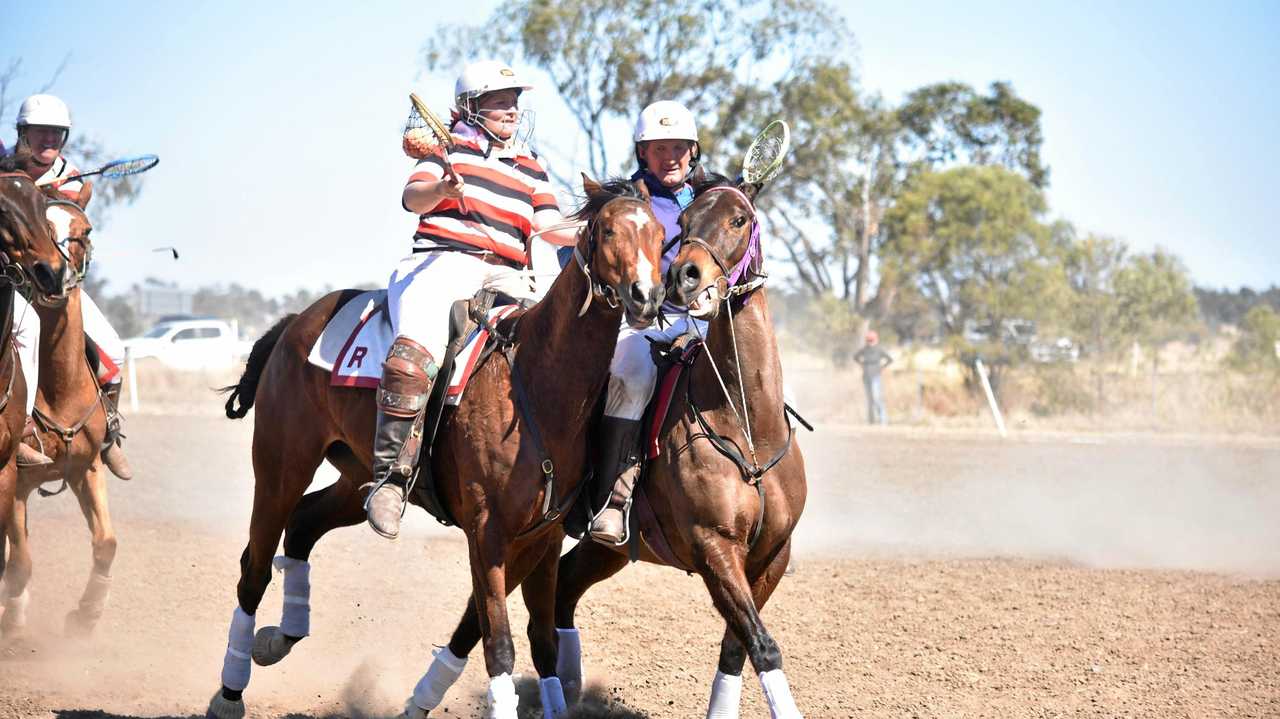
(27, 455)
(616, 471)
(407, 374)
(112, 451)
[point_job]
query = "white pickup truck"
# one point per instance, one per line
(190, 343)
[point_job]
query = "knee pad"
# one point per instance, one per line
(406, 378)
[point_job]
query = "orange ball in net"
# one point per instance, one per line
(419, 143)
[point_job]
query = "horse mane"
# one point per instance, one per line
(610, 189)
(710, 180)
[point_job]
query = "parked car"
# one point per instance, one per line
(190, 343)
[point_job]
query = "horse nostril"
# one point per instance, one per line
(43, 274)
(637, 293)
(689, 276)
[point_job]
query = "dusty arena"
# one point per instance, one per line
(937, 575)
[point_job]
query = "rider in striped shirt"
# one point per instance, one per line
(474, 230)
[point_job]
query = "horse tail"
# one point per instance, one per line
(245, 391)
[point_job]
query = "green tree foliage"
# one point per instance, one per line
(1258, 347)
(1228, 307)
(972, 241)
(1153, 297)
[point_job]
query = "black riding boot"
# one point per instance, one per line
(385, 505)
(616, 471)
(112, 451)
(407, 374)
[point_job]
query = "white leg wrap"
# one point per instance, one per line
(502, 697)
(726, 696)
(94, 599)
(778, 692)
(236, 663)
(295, 620)
(553, 706)
(15, 609)
(569, 660)
(443, 672)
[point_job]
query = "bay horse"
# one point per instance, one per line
(517, 439)
(69, 414)
(727, 487)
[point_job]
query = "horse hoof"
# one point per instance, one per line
(222, 708)
(270, 645)
(77, 625)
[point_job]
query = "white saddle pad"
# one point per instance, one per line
(353, 344)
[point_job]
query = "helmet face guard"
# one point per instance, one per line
(481, 78)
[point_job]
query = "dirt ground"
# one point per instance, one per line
(937, 575)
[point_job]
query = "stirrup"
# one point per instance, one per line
(626, 525)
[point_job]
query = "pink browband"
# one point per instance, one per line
(753, 245)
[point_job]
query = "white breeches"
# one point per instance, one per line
(26, 329)
(632, 373)
(102, 334)
(424, 285)
(26, 333)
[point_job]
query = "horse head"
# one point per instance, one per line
(720, 250)
(44, 239)
(620, 250)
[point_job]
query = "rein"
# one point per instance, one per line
(752, 470)
(505, 342)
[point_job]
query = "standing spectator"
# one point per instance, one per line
(873, 359)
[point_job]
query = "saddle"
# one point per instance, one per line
(358, 336)
(672, 359)
(472, 322)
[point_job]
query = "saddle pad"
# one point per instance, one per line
(660, 405)
(353, 344)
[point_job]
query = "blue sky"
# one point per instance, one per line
(278, 124)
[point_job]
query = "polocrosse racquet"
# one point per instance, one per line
(767, 152)
(112, 170)
(425, 135)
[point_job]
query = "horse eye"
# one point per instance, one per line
(739, 221)
(608, 234)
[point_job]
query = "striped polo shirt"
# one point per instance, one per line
(507, 194)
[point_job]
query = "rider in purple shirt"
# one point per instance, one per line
(666, 144)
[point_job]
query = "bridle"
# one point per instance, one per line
(598, 290)
(20, 278)
(745, 276)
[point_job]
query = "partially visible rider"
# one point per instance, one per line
(473, 231)
(667, 152)
(44, 124)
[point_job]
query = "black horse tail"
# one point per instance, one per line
(246, 390)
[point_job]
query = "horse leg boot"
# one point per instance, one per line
(619, 461)
(112, 451)
(407, 374)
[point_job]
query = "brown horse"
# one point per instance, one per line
(70, 416)
(728, 486)
(512, 449)
(22, 229)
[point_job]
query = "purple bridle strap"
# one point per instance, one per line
(753, 245)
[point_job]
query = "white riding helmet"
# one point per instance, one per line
(666, 120)
(44, 110)
(485, 76)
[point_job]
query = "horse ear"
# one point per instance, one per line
(86, 194)
(642, 188)
(698, 176)
(590, 186)
(750, 189)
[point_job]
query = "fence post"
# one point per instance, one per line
(991, 397)
(131, 367)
